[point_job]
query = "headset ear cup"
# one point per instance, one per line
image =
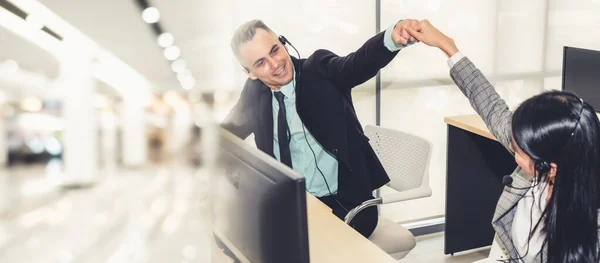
(546, 167)
(542, 166)
(282, 40)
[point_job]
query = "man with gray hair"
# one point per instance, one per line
(301, 113)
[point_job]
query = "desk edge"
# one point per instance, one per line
(469, 128)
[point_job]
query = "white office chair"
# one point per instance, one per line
(496, 253)
(405, 158)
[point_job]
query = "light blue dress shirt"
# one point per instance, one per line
(303, 160)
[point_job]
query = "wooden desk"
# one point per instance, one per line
(330, 239)
(473, 124)
(475, 165)
(470, 123)
(314, 206)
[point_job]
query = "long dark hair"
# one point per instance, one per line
(559, 127)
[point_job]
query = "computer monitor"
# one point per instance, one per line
(262, 203)
(580, 74)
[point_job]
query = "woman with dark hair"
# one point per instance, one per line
(550, 211)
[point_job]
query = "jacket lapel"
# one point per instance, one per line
(505, 212)
(322, 113)
(511, 196)
(265, 118)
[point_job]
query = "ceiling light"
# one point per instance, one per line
(165, 40)
(188, 82)
(172, 53)
(183, 74)
(188, 86)
(122, 74)
(178, 65)
(151, 15)
(185, 78)
(34, 21)
(22, 29)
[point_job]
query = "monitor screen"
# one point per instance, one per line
(262, 204)
(581, 74)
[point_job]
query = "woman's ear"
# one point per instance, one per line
(552, 172)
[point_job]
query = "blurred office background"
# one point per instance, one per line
(103, 105)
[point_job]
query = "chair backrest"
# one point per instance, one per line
(405, 157)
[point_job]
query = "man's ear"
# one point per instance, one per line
(251, 75)
(247, 72)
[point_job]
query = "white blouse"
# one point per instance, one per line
(529, 211)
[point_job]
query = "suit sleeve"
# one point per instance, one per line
(239, 120)
(355, 68)
(484, 99)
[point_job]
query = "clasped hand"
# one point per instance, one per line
(411, 30)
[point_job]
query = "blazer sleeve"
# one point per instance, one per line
(357, 67)
(484, 99)
(239, 120)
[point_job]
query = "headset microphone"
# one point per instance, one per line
(507, 180)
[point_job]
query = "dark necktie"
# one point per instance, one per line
(283, 132)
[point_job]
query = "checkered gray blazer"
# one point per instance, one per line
(497, 117)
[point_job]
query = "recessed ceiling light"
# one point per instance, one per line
(151, 15)
(186, 79)
(183, 74)
(178, 65)
(172, 53)
(34, 21)
(188, 83)
(165, 40)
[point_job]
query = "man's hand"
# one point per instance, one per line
(400, 35)
(425, 32)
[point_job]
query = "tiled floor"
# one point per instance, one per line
(153, 215)
(430, 249)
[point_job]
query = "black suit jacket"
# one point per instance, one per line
(324, 82)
